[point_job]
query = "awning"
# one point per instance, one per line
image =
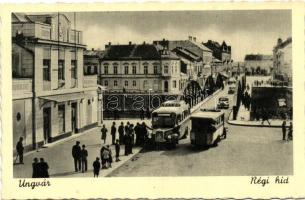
(64, 97)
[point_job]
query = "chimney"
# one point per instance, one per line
(144, 42)
(190, 38)
(109, 43)
(194, 38)
(92, 49)
(129, 43)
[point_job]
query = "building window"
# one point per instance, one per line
(174, 84)
(165, 69)
(105, 69)
(61, 69)
(61, 118)
(115, 69)
(155, 69)
(145, 69)
(105, 83)
(73, 69)
(115, 83)
(126, 69)
(46, 70)
(134, 83)
(134, 69)
(126, 83)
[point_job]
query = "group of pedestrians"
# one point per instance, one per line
(40, 169)
(290, 131)
(80, 157)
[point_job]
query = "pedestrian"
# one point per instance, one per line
(142, 114)
(290, 131)
(104, 133)
(35, 173)
(137, 130)
(127, 127)
(76, 153)
(121, 133)
(113, 132)
(265, 117)
(144, 133)
(84, 155)
(105, 157)
(131, 138)
(19, 150)
(96, 167)
(284, 129)
(109, 161)
(117, 151)
(126, 141)
(43, 168)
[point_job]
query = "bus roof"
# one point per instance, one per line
(207, 114)
(164, 110)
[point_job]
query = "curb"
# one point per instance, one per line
(232, 122)
(121, 163)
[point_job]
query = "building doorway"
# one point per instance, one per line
(165, 86)
(47, 125)
(73, 116)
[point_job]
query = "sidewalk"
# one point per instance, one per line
(243, 119)
(59, 157)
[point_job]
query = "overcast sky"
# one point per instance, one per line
(246, 31)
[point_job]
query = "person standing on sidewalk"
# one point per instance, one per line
(117, 151)
(137, 130)
(35, 168)
(110, 156)
(84, 155)
(131, 135)
(121, 133)
(104, 133)
(76, 153)
(43, 168)
(126, 142)
(19, 150)
(290, 130)
(284, 129)
(113, 132)
(96, 167)
(265, 117)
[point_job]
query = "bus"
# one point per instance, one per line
(207, 127)
(170, 122)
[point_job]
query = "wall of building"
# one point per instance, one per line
(263, 64)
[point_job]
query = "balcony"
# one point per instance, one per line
(90, 81)
(22, 86)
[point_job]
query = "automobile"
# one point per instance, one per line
(231, 90)
(223, 103)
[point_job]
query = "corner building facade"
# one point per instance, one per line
(51, 101)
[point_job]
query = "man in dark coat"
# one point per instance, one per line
(76, 153)
(19, 150)
(131, 138)
(104, 133)
(121, 133)
(43, 168)
(96, 167)
(127, 143)
(35, 168)
(113, 132)
(117, 151)
(84, 155)
(137, 130)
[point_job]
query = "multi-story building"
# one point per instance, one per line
(221, 53)
(139, 68)
(196, 48)
(282, 60)
(258, 64)
(51, 99)
(92, 62)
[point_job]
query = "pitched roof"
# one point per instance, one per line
(186, 54)
(20, 17)
(93, 53)
(130, 52)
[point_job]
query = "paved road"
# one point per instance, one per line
(246, 151)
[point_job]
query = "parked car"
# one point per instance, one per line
(231, 90)
(223, 103)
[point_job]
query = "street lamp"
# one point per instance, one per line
(149, 92)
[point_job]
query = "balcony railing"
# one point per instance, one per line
(22, 86)
(90, 81)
